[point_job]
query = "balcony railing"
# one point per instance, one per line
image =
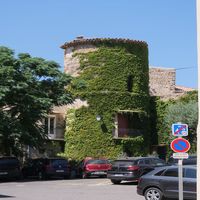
(126, 132)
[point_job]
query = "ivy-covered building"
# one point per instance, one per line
(111, 84)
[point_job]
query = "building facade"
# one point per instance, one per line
(112, 83)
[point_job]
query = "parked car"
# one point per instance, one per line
(91, 167)
(44, 168)
(163, 182)
(9, 168)
(130, 169)
(192, 160)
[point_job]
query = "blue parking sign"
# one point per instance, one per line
(179, 129)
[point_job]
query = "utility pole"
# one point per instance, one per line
(198, 127)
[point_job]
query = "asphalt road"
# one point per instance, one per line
(74, 189)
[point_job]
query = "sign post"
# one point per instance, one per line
(180, 179)
(180, 146)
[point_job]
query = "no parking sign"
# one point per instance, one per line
(180, 145)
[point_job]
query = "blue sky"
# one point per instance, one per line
(39, 27)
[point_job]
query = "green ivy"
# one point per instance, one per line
(115, 77)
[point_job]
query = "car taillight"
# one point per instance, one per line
(133, 167)
(87, 168)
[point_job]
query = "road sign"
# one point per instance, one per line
(180, 145)
(179, 129)
(180, 155)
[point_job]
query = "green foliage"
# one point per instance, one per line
(165, 113)
(190, 96)
(113, 78)
(186, 113)
(29, 87)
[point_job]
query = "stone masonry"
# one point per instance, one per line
(162, 81)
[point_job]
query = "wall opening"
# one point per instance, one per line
(130, 83)
(128, 125)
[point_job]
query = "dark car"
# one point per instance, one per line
(191, 160)
(163, 182)
(132, 168)
(91, 167)
(44, 168)
(9, 168)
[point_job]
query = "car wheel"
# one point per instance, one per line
(66, 177)
(115, 181)
(84, 175)
(153, 194)
(20, 177)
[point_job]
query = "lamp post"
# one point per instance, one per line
(98, 118)
(198, 127)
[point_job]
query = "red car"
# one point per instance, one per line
(94, 167)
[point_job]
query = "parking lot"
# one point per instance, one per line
(74, 189)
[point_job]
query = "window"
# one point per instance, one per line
(159, 173)
(140, 162)
(171, 172)
(130, 83)
(190, 173)
(128, 124)
(147, 162)
(50, 125)
(158, 162)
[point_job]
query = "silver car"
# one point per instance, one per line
(163, 182)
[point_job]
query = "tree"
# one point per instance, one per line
(184, 112)
(29, 88)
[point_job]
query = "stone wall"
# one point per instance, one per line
(71, 63)
(162, 81)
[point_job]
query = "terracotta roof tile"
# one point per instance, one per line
(82, 41)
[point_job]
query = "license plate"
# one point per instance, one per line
(118, 174)
(3, 173)
(98, 173)
(59, 170)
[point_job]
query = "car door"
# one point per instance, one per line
(169, 182)
(189, 183)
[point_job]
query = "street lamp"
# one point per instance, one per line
(98, 118)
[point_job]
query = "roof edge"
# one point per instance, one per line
(81, 41)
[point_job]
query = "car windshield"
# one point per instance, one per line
(97, 162)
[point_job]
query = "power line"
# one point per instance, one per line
(181, 68)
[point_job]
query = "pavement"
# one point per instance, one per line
(74, 189)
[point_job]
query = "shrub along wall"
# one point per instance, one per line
(165, 113)
(113, 78)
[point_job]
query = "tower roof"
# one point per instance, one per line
(80, 40)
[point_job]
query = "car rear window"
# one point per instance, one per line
(97, 162)
(124, 162)
(158, 162)
(61, 162)
(9, 161)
